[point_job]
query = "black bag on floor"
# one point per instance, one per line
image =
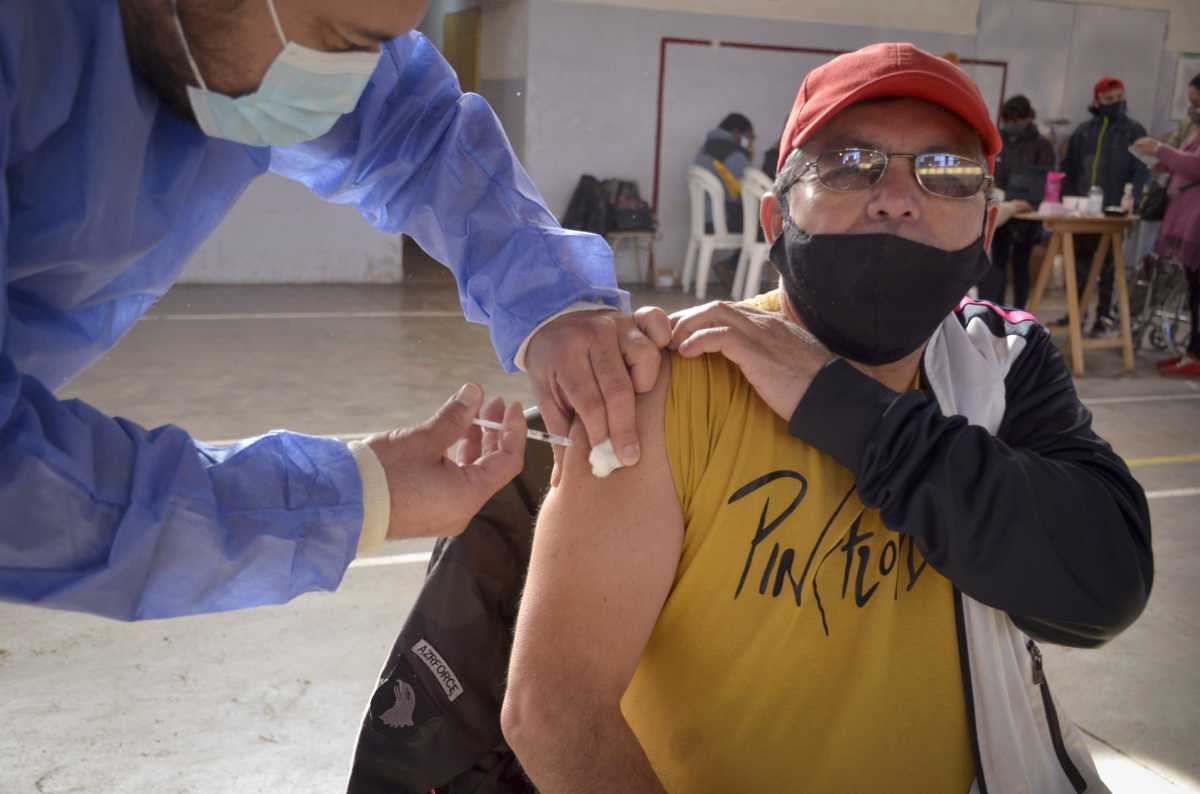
(587, 211)
(433, 723)
(1153, 206)
(627, 211)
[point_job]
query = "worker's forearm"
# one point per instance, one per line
(594, 754)
(131, 523)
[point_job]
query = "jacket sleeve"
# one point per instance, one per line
(1072, 161)
(106, 517)
(1045, 157)
(420, 157)
(1042, 520)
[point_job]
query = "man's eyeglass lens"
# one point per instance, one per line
(942, 174)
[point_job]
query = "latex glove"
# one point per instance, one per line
(434, 496)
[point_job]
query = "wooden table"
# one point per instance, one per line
(1062, 241)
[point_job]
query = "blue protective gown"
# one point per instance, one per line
(106, 194)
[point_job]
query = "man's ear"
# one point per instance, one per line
(989, 225)
(770, 214)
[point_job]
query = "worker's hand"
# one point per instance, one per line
(434, 496)
(1146, 146)
(1021, 205)
(779, 357)
(590, 364)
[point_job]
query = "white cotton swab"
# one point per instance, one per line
(536, 435)
(604, 459)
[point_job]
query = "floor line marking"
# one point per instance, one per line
(1131, 758)
(1172, 493)
(224, 442)
(1162, 460)
(393, 559)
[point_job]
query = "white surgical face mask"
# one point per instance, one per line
(302, 95)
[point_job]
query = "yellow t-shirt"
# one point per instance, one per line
(804, 646)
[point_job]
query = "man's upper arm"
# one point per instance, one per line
(604, 559)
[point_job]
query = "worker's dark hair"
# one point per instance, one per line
(736, 122)
(156, 52)
(1195, 82)
(1017, 107)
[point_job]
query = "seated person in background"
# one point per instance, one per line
(841, 602)
(1021, 169)
(726, 152)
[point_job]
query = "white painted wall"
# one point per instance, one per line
(944, 16)
(504, 65)
(593, 71)
(1184, 33)
(280, 233)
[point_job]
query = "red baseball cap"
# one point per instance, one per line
(1106, 83)
(886, 70)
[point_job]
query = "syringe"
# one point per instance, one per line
(536, 435)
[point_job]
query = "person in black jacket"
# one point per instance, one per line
(863, 406)
(1021, 169)
(959, 423)
(1098, 154)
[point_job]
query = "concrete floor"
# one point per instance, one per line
(270, 699)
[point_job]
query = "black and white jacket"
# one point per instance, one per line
(994, 469)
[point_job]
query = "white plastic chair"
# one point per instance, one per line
(701, 244)
(747, 281)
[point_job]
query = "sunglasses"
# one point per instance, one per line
(940, 174)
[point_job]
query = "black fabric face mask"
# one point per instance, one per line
(1115, 110)
(873, 298)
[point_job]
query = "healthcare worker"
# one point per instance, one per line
(128, 128)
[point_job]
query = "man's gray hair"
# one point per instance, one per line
(789, 175)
